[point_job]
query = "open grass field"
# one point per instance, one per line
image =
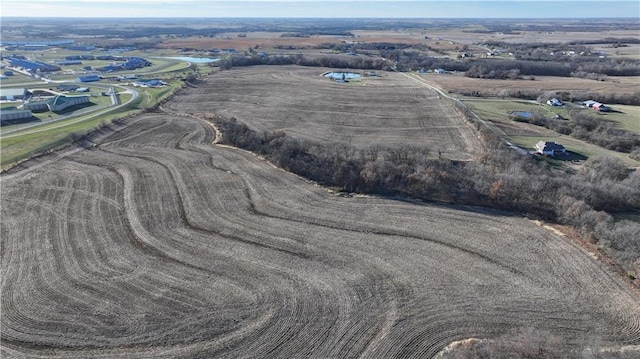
(625, 117)
(158, 243)
(527, 135)
(389, 109)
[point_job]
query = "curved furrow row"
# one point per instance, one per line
(157, 244)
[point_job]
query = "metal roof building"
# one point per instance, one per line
(12, 94)
(89, 78)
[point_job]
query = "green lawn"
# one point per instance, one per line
(17, 80)
(628, 117)
(571, 144)
(489, 109)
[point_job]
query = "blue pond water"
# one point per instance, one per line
(195, 60)
(338, 75)
(522, 114)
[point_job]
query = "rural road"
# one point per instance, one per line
(486, 124)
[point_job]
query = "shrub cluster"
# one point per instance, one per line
(531, 343)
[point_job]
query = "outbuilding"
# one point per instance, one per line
(590, 103)
(600, 107)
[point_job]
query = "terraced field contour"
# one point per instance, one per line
(156, 242)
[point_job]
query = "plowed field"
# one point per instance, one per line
(156, 243)
(389, 110)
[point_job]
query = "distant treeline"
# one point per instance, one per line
(500, 178)
(477, 68)
(365, 63)
(309, 33)
(499, 68)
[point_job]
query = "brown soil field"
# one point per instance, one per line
(154, 242)
(464, 36)
(390, 109)
(263, 40)
(270, 40)
(458, 82)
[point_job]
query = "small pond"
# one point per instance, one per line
(195, 60)
(521, 114)
(342, 75)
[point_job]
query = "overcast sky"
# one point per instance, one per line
(330, 8)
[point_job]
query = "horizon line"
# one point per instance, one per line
(321, 17)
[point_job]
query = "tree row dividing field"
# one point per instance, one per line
(157, 243)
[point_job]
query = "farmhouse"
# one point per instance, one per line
(550, 148)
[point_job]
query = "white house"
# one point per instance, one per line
(554, 102)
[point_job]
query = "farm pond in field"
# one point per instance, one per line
(521, 114)
(342, 75)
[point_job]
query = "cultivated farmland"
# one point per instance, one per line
(157, 243)
(389, 109)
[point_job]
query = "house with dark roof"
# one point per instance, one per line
(554, 102)
(550, 148)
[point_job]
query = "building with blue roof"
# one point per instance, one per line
(89, 78)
